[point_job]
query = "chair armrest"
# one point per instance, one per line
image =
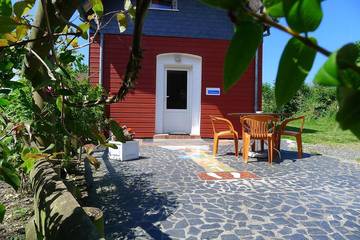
(286, 121)
(224, 120)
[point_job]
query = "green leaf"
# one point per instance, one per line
(21, 31)
(349, 112)
(335, 70)
(7, 24)
(295, 63)
(111, 145)
(23, 7)
(93, 161)
(347, 55)
(274, 8)
(97, 7)
(303, 15)
(4, 102)
(66, 57)
(5, 8)
(84, 28)
(225, 4)
(62, 72)
(99, 136)
(50, 147)
(127, 5)
(30, 155)
(59, 103)
(117, 131)
(241, 51)
(122, 22)
(9, 175)
(2, 212)
(13, 84)
(328, 73)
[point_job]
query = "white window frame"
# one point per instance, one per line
(174, 7)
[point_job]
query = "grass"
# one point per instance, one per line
(325, 131)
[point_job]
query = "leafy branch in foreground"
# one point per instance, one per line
(341, 70)
(48, 99)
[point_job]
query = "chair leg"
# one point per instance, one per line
(253, 146)
(299, 146)
(246, 145)
(236, 142)
(216, 145)
(270, 150)
(262, 145)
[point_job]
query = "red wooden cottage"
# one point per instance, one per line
(180, 83)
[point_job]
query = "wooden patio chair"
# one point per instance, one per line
(296, 134)
(227, 130)
(260, 127)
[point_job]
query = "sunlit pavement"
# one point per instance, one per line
(162, 195)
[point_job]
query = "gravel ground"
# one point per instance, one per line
(18, 212)
(342, 152)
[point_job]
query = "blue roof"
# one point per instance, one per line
(193, 19)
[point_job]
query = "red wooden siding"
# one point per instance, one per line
(138, 109)
(94, 59)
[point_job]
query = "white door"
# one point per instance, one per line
(177, 105)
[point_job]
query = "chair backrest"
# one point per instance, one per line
(259, 126)
(217, 121)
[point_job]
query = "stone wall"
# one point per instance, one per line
(57, 214)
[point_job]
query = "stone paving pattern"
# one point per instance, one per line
(160, 197)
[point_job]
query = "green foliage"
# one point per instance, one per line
(117, 131)
(295, 64)
(241, 51)
(7, 24)
(314, 102)
(97, 7)
(328, 73)
(23, 7)
(10, 63)
(44, 127)
(5, 8)
(274, 8)
(2, 212)
(303, 15)
(349, 113)
(9, 175)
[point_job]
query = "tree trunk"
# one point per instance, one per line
(33, 69)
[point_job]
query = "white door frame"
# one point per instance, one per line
(181, 61)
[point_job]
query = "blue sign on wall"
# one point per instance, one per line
(213, 91)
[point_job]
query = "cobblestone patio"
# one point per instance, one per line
(161, 197)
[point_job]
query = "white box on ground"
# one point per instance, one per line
(125, 151)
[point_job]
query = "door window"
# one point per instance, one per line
(176, 90)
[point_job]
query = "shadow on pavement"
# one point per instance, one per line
(129, 203)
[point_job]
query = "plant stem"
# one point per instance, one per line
(264, 18)
(267, 20)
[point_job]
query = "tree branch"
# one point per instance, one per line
(264, 18)
(45, 37)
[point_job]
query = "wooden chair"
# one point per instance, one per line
(260, 127)
(296, 134)
(228, 131)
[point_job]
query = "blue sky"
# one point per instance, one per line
(340, 25)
